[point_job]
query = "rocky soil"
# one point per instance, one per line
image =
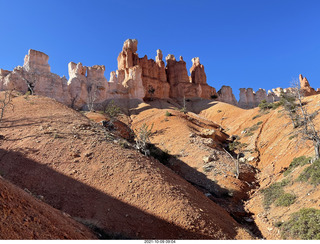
(77, 167)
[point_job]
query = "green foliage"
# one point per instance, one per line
(26, 96)
(251, 129)
(184, 110)
(273, 192)
(248, 134)
(285, 200)
(112, 110)
(142, 138)
(237, 145)
(304, 225)
(256, 116)
(293, 136)
(168, 114)
(259, 123)
(300, 161)
(311, 174)
(264, 105)
(277, 104)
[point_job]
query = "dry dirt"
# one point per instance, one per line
(79, 168)
(273, 149)
(25, 217)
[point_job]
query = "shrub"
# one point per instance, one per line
(259, 123)
(293, 136)
(304, 224)
(256, 116)
(184, 110)
(273, 192)
(311, 173)
(219, 111)
(276, 104)
(285, 200)
(264, 105)
(248, 134)
(113, 111)
(142, 138)
(251, 129)
(168, 114)
(300, 161)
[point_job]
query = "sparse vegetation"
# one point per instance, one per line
(142, 138)
(168, 114)
(112, 111)
(285, 200)
(239, 147)
(273, 192)
(184, 108)
(300, 161)
(304, 225)
(219, 111)
(256, 116)
(5, 103)
(250, 130)
(264, 105)
(303, 121)
(311, 174)
(293, 136)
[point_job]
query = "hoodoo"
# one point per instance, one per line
(136, 78)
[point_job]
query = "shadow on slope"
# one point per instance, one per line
(87, 204)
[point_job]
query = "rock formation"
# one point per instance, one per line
(181, 85)
(198, 76)
(251, 99)
(136, 78)
(305, 86)
(225, 95)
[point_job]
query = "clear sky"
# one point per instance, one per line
(241, 43)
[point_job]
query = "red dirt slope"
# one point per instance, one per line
(24, 217)
(80, 169)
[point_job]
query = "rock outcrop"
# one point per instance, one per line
(305, 86)
(136, 78)
(251, 99)
(225, 95)
(181, 85)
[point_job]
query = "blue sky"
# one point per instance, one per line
(247, 43)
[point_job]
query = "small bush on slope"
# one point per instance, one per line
(285, 200)
(311, 174)
(300, 161)
(304, 224)
(273, 192)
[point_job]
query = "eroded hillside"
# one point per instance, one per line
(272, 146)
(79, 168)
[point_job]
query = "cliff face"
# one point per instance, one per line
(136, 78)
